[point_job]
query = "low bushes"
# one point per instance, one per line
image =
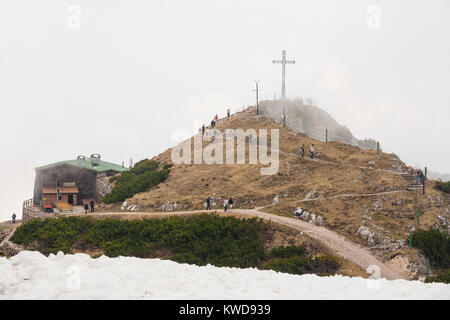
(198, 240)
(140, 178)
(201, 239)
(443, 186)
(434, 244)
(294, 260)
(441, 276)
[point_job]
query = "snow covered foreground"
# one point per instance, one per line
(31, 275)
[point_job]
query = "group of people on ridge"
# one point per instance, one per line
(227, 203)
(311, 150)
(214, 121)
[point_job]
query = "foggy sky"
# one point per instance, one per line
(135, 71)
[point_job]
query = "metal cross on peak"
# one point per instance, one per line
(283, 62)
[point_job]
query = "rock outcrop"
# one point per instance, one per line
(313, 121)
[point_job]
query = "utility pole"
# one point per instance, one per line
(257, 100)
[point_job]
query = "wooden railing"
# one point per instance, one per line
(28, 203)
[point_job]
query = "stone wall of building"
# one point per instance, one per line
(85, 181)
(103, 186)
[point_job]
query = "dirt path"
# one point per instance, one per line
(345, 195)
(334, 241)
(306, 158)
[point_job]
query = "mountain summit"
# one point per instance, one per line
(313, 121)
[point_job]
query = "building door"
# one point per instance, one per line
(70, 199)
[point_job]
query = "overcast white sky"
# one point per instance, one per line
(135, 71)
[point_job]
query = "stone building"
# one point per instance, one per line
(73, 182)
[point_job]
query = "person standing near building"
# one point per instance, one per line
(303, 151)
(86, 208)
(92, 203)
(14, 217)
(311, 149)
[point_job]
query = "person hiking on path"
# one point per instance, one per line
(419, 177)
(213, 123)
(230, 203)
(228, 113)
(208, 203)
(14, 217)
(216, 118)
(225, 205)
(311, 149)
(86, 208)
(303, 151)
(92, 203)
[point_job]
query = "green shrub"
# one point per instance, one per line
(443, 186)
(143, 176)
(434, 244)
(287, 252)
(293, 265)
(201, 239)
(441, 276)
(294, 260)
(167, 166)
(323, 265)
(113, 178)
(144, 166)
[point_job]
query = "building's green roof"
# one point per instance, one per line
(102, 166)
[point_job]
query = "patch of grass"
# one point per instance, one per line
(167, 166)
(287, 252)
(435, 244)
(443, 186)
(441, 276)
(143, 176)
(294, 260)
